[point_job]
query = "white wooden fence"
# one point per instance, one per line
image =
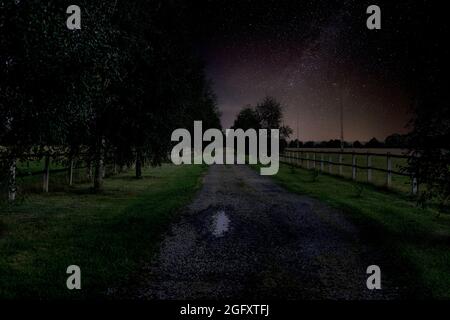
(323, 160)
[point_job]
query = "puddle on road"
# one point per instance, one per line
(221, 223)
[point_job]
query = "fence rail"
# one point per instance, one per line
(41, 172)
(70, 164)
(316, 158)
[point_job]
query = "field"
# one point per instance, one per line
(418, 237)
(108, 234)
(400, 183)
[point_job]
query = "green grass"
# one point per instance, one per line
(108, 235)
(419, 238)
(28, 183)
(36, 165)
(399, 183)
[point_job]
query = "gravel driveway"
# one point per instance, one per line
(244, 237)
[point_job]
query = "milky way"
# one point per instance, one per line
(309, 55)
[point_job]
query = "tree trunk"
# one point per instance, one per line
(12, 185)
(138, 164)
(71, 172)
(98, 174)
(114, 168)
(46, 178)
(89, 170)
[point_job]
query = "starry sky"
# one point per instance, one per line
(310, 54)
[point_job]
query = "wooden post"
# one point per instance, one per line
(369, 168)
(301, 158)
(98, 172)
(103, 167)
(353, 166)
(389, 169)
(414, 186)
(321, 162)
(12, 183)
(340, 164)
(46, 173)
(314, 159)
(307, 160)
(71, 172)
(330, 165)
(114, 167)
(89, 170)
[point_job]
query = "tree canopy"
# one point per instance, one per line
(115, 89)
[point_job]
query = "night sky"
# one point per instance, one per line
(307, 54)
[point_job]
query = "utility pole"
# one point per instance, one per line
(298, 140)
(342, 116)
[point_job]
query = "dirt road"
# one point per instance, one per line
(243, 236)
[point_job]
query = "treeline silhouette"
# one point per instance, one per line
(401, 141)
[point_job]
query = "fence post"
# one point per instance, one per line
(103, 167)
(330, 165)
(321, 162)
(353, 166)
(314, 160)
(12, 184)
(301, 158)
(46, 172)
(307, 160)
(340, 164)
(114, 167)
(389, 169)
(369, 167)
(414, 186)
(71, 172)
(90, 170)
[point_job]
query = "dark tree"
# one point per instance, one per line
(270, 115)
(267, 114)
(396, 141)
(430, 146)
(373, 143)
(295, 144)
(310, 144)
(247, 118)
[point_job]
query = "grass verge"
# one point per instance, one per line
(108, 235)
(418, 237)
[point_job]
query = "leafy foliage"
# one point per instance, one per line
(268, 114)
(117, 88)
(431, 148)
